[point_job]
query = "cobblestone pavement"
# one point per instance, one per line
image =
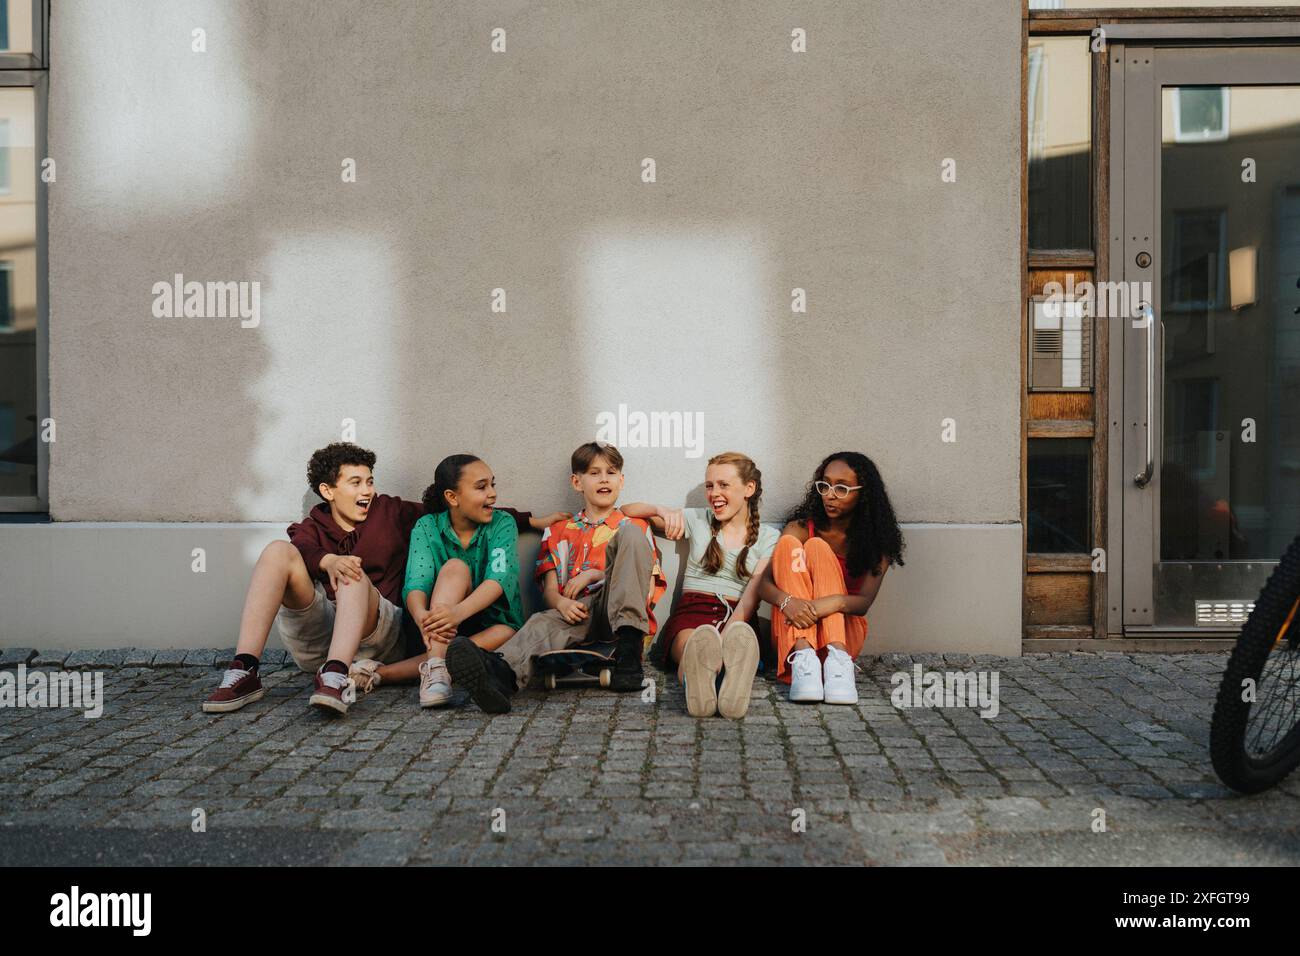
(587, 776)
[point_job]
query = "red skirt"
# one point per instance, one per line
(693, 609)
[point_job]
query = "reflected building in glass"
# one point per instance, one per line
(18, 271)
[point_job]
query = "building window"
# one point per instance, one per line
(1200, 114)
(1095, 6)
(1059, 100)
(4, 156)
(9, 450)
(6, 295)
(22, 24)
(22, 321)
(1059, 495)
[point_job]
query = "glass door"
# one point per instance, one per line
(1209, 359)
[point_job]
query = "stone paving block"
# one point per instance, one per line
(53, 657)
(172, 657)
(13, 656)
(113, 657)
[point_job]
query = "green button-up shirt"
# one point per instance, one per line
(492, 555)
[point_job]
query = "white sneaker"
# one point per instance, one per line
(805, 676)
(435, 682)
(840, 687)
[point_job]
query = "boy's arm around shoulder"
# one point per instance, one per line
(408, 513)
(668, 522)
(522, 519)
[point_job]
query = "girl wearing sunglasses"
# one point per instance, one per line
(825, 573)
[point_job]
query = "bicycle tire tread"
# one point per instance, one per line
(1231, 717)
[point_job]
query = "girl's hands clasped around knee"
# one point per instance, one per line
(438, 625)
(801, 613)
(828, 605)
(442, 617)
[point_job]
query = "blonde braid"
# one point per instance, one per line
(742, 559)
(713, 553)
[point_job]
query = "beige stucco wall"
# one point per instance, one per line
(521, 170)
(959, 592)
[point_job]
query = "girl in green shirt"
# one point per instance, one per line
(462, 574)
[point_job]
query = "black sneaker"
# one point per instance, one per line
(628, 674)
(486, 676)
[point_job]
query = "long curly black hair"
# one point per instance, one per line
(873, 530)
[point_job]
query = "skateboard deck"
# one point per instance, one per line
(580, 664)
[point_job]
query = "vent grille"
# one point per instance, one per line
(1223, 612)
(1047, 341)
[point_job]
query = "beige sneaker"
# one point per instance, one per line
(435, 682)
(701, 661)
(365, 674)
(739, 664)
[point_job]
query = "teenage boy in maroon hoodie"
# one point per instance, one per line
(334, 588)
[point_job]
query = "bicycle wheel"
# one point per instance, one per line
(1254, 743)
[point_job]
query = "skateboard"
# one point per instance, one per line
(581, 664)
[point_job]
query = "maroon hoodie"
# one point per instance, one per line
(381, 541)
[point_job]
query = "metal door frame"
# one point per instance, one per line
(1139, 69)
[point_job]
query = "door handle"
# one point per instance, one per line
(1143, 477)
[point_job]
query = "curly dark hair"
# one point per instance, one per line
(327, 462)
(873, 531)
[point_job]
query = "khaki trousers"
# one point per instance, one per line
(620, 602)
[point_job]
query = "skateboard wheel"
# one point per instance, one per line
(605, 677)
(550, 682)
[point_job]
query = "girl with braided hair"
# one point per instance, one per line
(709, 636)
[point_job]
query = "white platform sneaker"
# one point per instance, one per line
(839, 685)
(805, 676)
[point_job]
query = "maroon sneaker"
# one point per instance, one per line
(334, 691)
(238, 687)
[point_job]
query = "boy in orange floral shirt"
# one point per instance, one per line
(600, 578)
